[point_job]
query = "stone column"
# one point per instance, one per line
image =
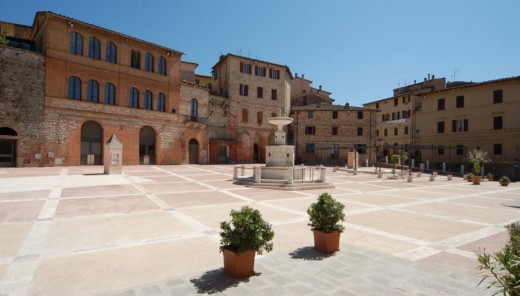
(235, 173)
(322, 173)
(242, 170)
(257, 174)
(290, 175)
(113, 156)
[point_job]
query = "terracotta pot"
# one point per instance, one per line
(326, 242)
(239, 265)
(476, 180)
(470, 179)
(504, 183)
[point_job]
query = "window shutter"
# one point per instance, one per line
(453, 125)
(466, 125)
(241, 67)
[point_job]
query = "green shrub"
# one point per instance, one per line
(246, 231)
(326, 214)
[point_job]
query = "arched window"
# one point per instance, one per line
(93, 91)
(111, 53)
(74, 88)
(110, 94)
(160, 102)
(194, 109)
(148, 98)
(259, 117)
(148, 62)
(94, 48)
(245, 115)
(134, 98)
(76, 44)
(162, 66)
(273, 114)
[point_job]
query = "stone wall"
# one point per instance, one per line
(22, 82)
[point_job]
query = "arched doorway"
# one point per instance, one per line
(257, 149)
(7, 147)
(222, 153)
(244, 148)
(193, 151)
(146, 145)
(91, 143)
(256, 153)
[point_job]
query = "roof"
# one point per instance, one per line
(330, 107)
(476, 84)
(222, 57)
(104, 29)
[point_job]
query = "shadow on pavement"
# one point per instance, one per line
(215, 281)
(309, 253)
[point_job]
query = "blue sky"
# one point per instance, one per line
(358, 50)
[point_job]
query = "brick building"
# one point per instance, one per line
(246, 92)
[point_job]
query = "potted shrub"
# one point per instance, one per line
(469, 177)
(326, 217)
(241, 238)
(477, 158)
(504, 180)
(503, 265)
(489, 177)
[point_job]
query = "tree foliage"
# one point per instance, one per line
(326, 214)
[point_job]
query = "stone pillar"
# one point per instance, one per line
(235, 173)
(256, 174)
(413, 163)
(322, 173)
(242, 170)
(432, 178)
(290, 175)
(113, 156)
(421, 167)
(427, 164)
(444, 167)
(386, 159)
(462, 169)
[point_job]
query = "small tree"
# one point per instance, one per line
(326, 214)
(393, 160)
(478, 158)
(504, 266)
(3, 41)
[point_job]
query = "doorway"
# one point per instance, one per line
(193, 151)
(146, 145)
(91, 144)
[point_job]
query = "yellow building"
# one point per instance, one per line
(470, 116)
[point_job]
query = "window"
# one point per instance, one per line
(133, 101)
(93, 91)
(396, 101)
(245, 68)
(273, 94)
(440, 127)
(162, 66)
(273, 114)
(274, 74)
(359, 131)
(259, 117)
(244, 90)
(396, 131)
(135, 61)
(148, 99)
(406, 130)
(334, 130)
(260, 92)
(377, 133)
(377, 105)
(94, 48)
(161, 102)
(497, 96)
(386, 132)
(260, 71)
(440, 151)
(215, 74)
(111, 53)
(110, 94)
(194, 109)
(459, 125)
(497, 123)
(245, 115)
(334, 151)
(360, 115)
(76, 44)
(148, 62)
(310, 114)
(309, 148)
(334, 114)
(459, 150)
(497, 149)
(74, 88)
(310, 130)
(460, 101)
(441, 104)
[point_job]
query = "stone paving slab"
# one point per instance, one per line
(153, 230)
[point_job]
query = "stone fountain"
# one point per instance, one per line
(279, 171)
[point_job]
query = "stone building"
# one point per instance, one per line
(302, 92)
(246, 92)
(326, 133)
(467, 116)
(396, 120)
(99, 83)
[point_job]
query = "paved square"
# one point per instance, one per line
(153, 230)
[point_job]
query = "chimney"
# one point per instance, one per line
(433, 76)
(428, 76)
(303, 76)
(296, 75)
(320, 87)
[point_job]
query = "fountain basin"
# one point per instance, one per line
(280, 121)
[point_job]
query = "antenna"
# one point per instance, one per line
(455, 72)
